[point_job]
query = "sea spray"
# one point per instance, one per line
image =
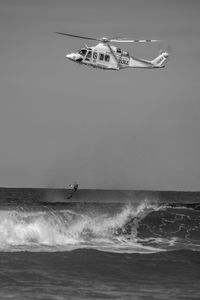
(26, 227)
(146, 227)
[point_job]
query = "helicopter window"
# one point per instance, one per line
(101, 56)
(107, 57)
(94, 55)
(83, 52)
(88, 56)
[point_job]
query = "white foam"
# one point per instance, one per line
(66, 230)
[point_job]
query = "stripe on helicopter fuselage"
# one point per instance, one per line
(99, 66)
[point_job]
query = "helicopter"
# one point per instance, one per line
(108, 57)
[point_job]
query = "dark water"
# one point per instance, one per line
(136, 247)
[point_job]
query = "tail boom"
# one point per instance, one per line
(158, 62)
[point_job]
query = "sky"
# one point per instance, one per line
(61, 122)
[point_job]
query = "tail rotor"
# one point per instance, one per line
(164, 48)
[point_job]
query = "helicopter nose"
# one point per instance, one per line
(72, 56)
(69, 56)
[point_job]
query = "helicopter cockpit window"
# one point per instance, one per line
(82, 52)
(101, 56)
(107, 58)
(88, 56)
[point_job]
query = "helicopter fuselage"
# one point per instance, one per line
(109, 57)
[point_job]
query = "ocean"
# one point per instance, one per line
(99, 244)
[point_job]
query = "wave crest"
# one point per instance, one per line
(66, 229)
(142, 228)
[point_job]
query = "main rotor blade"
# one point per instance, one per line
(107, 40)
(121, 40)
(78, 36)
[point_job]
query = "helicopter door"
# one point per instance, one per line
(94, 56)
(89, 55)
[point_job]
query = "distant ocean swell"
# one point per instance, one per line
(110, 227)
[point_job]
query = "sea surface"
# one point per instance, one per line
(98, 244)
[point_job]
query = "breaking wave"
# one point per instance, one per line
(145, 228)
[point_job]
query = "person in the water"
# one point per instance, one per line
(74, 188)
